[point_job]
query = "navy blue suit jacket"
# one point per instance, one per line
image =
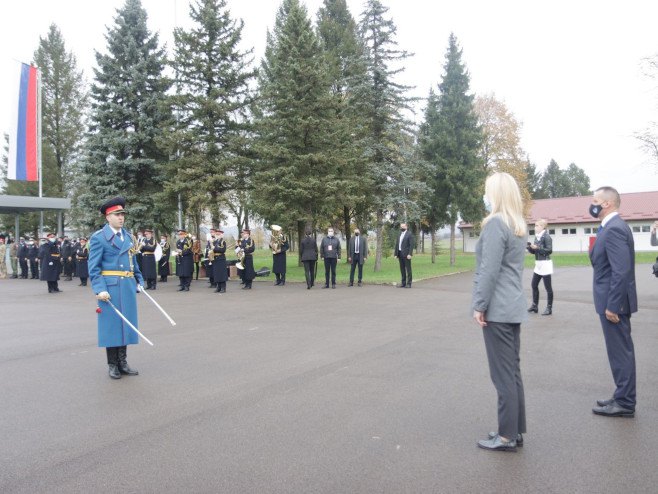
(613, 260)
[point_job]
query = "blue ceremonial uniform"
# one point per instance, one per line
(108, 253)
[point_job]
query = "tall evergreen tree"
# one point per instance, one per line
(210, 105)
(129, 110)
(451, 141)
(346, 67)
(383, 102)
(296, 181)
(553, 181)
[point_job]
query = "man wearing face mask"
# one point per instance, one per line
(615, 299)
(32, 256)
(50, 267)
(330, 252)
(358, 253)
(403, 251)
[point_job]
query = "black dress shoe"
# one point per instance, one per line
(325, 286)
(497, 444)
(548, 311)
(603, 403)
(333, 286)
(181, 289)
(533, 308)
(408, 286)
(519, 438)
(359, 283)
(124, 368)
(613, 410)
(402, 286)
(187, 288)
(351, 284)
(114, 371)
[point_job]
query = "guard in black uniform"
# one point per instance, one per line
(248, 247)
(32, 256)
(67, 258)
(209, 258)
(50, 267)
(220, 276)
(149, 270)
(279, 249)
(185, 260)
(163, 264)
(81, 260)
(21, 253)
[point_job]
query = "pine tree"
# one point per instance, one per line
(123, 154)
(383, 102)
(451, 141)
(296, 182)
(211, 103)
(346, 66)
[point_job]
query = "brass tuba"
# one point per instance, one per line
(277, 240)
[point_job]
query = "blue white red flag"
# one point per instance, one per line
(23, 125)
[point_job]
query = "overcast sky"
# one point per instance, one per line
(571, 71)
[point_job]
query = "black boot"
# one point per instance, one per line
(283, 279)
(533, 308)
(535, 302)
(278, 279)
(124, 368)
(222, 287)
(113, 362)
(549, 305)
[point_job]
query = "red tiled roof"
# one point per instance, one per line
(564, 210)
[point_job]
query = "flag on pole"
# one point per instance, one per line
(23, 136)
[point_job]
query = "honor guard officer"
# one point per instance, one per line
(50, 267)
(32, 256)
(67, 258)
(209, 258)
(185, 260)
(220, 276)
(114, 277)
(149, 270)
(248, 247)
(82, 258)
(21, 253)
(163, 264)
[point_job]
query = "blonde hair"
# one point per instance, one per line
(542, 222)
(503, 192)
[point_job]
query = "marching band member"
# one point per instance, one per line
(163, 265)
(248, 247)
(81, 265)
(185, 260)
(279, 259)
(114, 277)
(219, 263)
(148, 267)
(210, 258)
(196, 255)
(50, 267)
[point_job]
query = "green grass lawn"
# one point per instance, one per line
(421, 264)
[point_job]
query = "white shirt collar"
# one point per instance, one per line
(609, 217)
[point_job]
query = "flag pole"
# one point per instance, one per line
(39, 147)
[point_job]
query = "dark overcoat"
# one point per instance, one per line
(148, 268)
(219, 264)
(279, 260)
(82, 258)
(163, 264)
(108, 253)
(51, 262)
(185, 265)
(249, 247)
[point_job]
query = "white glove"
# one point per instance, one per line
(104, 296)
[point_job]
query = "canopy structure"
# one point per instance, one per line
(27, 204)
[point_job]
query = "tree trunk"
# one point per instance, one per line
(346, 223)
(433, 243)
(452, 243)
(380, 240)
(422, 242)
(300, 235)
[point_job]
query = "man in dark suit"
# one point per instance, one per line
(358, 253)
(403, 251)
(615, 299)
(309, 254)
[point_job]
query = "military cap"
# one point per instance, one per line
(181, 232)
(115, 205)
(51, 234)
(246, 230)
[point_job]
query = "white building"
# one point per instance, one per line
(573, 229)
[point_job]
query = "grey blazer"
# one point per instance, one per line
(498, 284)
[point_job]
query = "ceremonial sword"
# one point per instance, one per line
(164, 313)
(128, 322)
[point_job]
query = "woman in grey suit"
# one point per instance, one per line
(499, 305)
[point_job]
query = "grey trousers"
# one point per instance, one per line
(503, 343)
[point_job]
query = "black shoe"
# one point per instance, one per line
(223, 290)
(409, 285)
(181, 289)
(548, 311)
(114, 371)
(605, 403)
(278, 282)
(124, 368)
(308, 287)
(402, 286)
(534, 308)
(246, 287)
(497, 444)
(57, 290)
(217, 290)
(187, 288)
(519, 438)
(351, 284)
(81, 284)
(50, 290)
(359, 283)
(613, 410)
(325, 286)
(333, 286)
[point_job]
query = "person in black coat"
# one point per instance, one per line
(163, 264)
(357, 255)
(248, 246)
(330, 252)
(404, 247)
(149, 268)
(219, 275)
(67, 258)
(82, 258)
(21, 253)
(309, 254)
(185, 260)
(542, 249)
(209, 258)
(32, 256)
(51, 262)
(279, 259)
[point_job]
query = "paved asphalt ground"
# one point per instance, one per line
(284, 390)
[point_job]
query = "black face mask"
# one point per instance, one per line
(356, 234)
(403, 230)
(595, 210)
